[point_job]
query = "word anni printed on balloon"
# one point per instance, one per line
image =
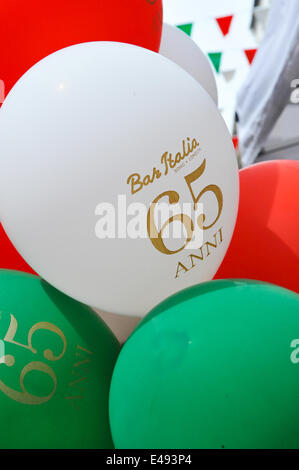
(202, 253)
(79, 374)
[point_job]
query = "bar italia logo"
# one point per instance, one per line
(169, 162)
(174, 162)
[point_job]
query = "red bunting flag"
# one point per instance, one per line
(250, 54)
(236, 142)
(224, 23)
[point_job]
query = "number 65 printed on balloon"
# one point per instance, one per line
(24, 396)
(156, 236)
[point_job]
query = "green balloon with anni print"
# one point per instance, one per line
(56, 362)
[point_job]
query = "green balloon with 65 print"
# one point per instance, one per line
(56, 362)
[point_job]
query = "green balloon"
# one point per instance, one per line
(215, 366)
(56, 362)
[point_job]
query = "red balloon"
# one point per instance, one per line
(32, 29)
(10, 258)
(265, 244)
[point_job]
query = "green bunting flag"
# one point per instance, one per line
(215, 58)
(187, 28)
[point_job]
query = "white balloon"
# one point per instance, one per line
(73, 131)
(181, 49)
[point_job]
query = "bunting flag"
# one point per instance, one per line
(236, 142)
(225, 33)
(224, 24)
(215, 58)
(187, 28)
(250, 54)
(228, 75)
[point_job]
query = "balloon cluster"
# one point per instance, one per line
(119, 187)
